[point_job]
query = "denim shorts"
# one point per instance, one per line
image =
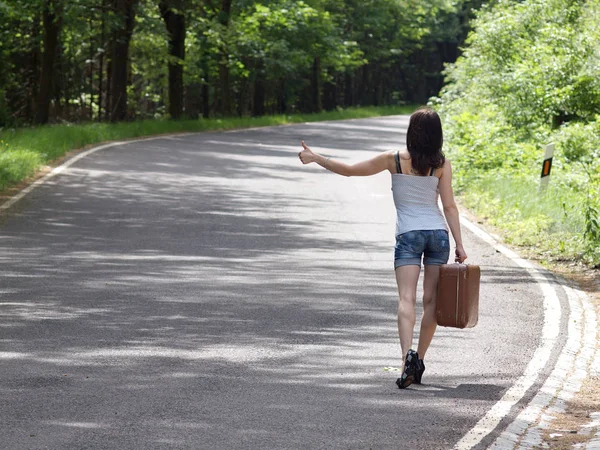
(433, 245)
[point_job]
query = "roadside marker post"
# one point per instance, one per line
(546, 167)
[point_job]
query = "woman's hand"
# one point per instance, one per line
(306, 155)
(460, 254)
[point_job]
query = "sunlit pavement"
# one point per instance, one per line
(208, 291)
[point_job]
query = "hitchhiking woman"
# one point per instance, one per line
(419, 173)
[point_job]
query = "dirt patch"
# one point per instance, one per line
(569, 428)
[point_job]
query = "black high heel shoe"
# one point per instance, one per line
(420, 370)
(410, 370)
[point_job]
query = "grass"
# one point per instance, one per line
(24, 151)
(549, 224)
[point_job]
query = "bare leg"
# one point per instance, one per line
(407, 278)
(429, 322)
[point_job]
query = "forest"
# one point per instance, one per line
(114, 60)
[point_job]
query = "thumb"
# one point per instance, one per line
(305, 146)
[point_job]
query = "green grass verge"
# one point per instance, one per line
(23, 151)
(547, 224)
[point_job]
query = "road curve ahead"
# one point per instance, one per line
(208, 291)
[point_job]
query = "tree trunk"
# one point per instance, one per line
(101, 63)
(52, 22)
(330, 95)
(193, 100)
(59, 79)
(107, 100)
(258, 103)
(171, 12)
(378, 88)
(205, 100)
(33, 76)
(317, 106)
(244, 101)
(109, 52)
(205, 90)
(348, 90)
(225, 100)
(91, 67)
(362, 86)
(119, 59)
(281, 99)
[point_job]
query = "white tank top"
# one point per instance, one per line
(416, 200)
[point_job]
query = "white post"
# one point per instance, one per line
(546, 167)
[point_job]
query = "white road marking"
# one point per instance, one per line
(514, 434)
(566, 378)
(520, 432)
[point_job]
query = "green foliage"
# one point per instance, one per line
(528, 77)
(149, 59)
(580, 143)
(592, 234)
(287, 36)
(305, 55)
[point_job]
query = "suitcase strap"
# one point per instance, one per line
(458, 277)
(457, 286)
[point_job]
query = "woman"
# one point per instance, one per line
(419, 173)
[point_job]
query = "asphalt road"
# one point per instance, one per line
(208, 291)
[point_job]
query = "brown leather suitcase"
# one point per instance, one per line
(457, 303)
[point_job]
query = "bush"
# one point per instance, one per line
(528, 77)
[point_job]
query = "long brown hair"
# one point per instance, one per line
(424, 140)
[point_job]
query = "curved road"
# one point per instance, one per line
(208, 291)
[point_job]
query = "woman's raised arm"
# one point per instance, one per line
(371, 166)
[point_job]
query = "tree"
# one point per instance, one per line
(51, 17)
(124, 59)
(225, 100)
(125, 14)
(172, 13)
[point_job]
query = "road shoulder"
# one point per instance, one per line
(570, 414)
